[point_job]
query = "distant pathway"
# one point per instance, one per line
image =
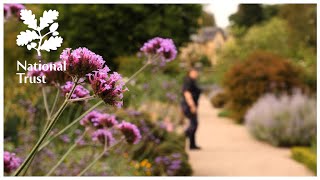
(229, 150)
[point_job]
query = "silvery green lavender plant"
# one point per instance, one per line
(86, 67)
(283, 121)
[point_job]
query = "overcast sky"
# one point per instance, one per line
(222, 10)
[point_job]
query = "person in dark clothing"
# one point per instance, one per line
(191, 94)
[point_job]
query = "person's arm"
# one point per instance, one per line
(190, 101)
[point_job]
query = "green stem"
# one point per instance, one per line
(99, 156)
(92, 163)
(55, 102)
(82, 99)
(138, 72)
(28, 160)
(65, 155)
(44, 94)
(70, 125)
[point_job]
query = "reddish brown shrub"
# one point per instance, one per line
(260, 73)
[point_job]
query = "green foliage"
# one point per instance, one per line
(146, 86)
(219, 100)
(207, 19)
(224, 113)
(260, 73)
(272, 36)
(117, 30)
(205, 61)
(306, 156)
(247, 15)
(302, 25)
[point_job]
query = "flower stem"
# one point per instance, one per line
(70, 125)
(65, 155)
(28, 160)
(138, 72)
(55, 102)
(82, 99)
(99, 156)
(44, 94)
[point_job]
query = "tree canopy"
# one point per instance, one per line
(116, 30)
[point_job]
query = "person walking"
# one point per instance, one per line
(191, 93)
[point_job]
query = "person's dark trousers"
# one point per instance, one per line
(193, 125)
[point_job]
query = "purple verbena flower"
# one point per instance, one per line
(65, 138)
(79, 91)
(158, 160)
(90, 119)
(12, 9)
(107, 120)
(162, 47)
(81, 61)
(103, 136)
(11, 162)
(130, 131)
(109, 88)
(16, 8)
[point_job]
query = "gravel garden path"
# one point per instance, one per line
(229, 150)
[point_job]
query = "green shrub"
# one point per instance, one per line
(260, 73)
(219, 100)
(306, 156)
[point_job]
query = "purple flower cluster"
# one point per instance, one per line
(171, 164)
(100, 125)
(130, 131)
(12, 10)
(81, 61)
(103, 136)
(147, 132)
(109, 88)
(91, 120)
(162, 47)
(11, 162)
(79, 91)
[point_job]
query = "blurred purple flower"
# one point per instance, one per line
(65, 138)
(103, 136)
(165, 48)
(16, 8)
(12, 10)
(130, 131)
(91, 119)
(79, 91)
(107, 120)
(11, 162)
(133, 112)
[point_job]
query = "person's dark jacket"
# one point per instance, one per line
(190, 85)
